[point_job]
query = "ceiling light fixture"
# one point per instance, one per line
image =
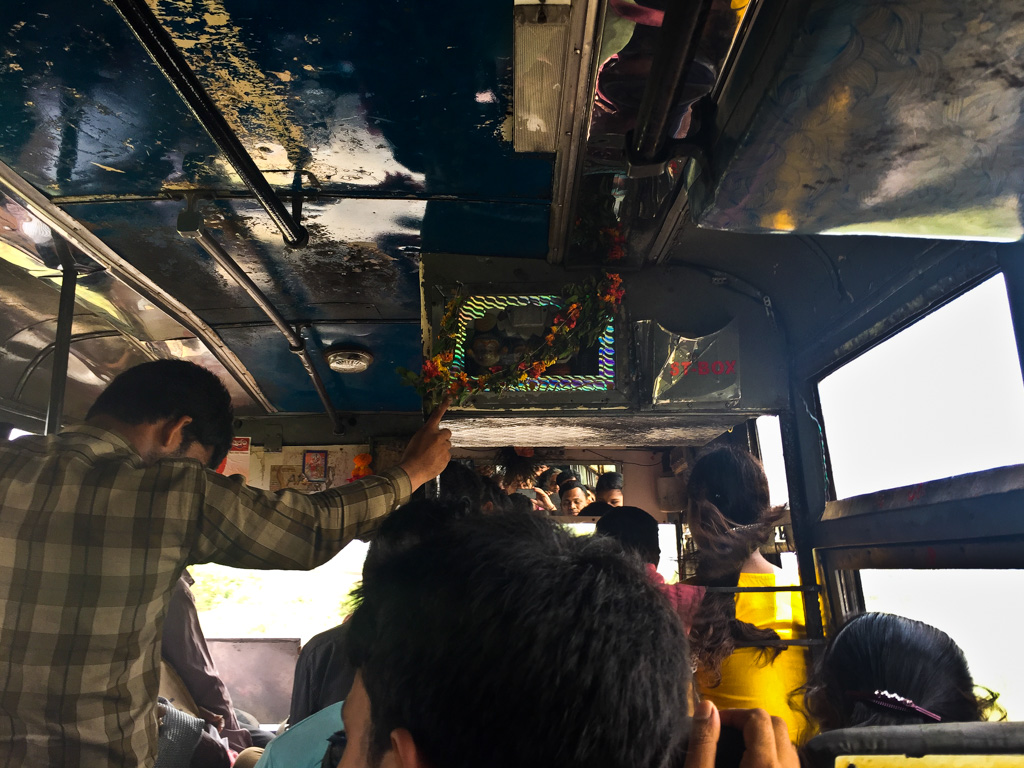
(348, 359)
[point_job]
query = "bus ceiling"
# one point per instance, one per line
(349, 169)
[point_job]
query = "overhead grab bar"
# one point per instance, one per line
(192, 226)
(169, 59)
(62, 341)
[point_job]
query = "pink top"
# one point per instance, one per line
(684, 598)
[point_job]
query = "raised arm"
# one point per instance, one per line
(249, 528)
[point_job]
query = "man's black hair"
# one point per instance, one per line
(494, 494)
(407, 526)
(509, 642)
(567, 476)
(636, 530)
(609, 481)
(597, 508)
(461, 485)
(520, 503)
(170, 389)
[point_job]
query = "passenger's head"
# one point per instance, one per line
(729, 516)
(635, 530)
(407, 526)
(508, 642)
(567, 476)
(907, 658)
(461, 485)
(548, 480)
(518, 470)
(494, 500)
(177, 395)
(597, 509)
(609, 488)
(729, 511)
(520, 503)
(573, 498)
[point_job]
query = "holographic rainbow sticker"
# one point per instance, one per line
(475, 307)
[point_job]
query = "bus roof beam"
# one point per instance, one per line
(170, 61)
(192, 226)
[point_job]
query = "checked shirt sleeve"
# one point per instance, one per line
(248, 528)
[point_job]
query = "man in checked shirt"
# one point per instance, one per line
(97, 524)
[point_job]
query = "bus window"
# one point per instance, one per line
(965, 605)
(769, 438)
(943, 397)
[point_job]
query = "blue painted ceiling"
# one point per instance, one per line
(388, 115)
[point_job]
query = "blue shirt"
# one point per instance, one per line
(304, 744)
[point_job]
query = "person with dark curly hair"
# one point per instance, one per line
(738, 641)
(883, 669)
(508, 642)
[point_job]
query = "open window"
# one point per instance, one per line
(926, 463)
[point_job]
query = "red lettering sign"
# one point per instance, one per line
(704, 368)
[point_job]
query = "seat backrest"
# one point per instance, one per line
(917, 741)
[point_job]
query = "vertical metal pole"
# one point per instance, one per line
(806, 475)
(62, 343)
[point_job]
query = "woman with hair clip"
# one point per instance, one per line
(882, 669)
(738, 640)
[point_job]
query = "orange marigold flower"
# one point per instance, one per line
(549, 339)
(430, 370)
(446, 357)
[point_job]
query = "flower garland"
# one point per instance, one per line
(361, 467)
(586, 312)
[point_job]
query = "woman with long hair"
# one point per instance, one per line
(883, 669)
(738, 640)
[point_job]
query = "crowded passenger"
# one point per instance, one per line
(882, 669)
(306, 740)
(637, 532)
(519, 478)
(738, 640)
(510, 642)
(183, 646)
(597, 509)
(323, 675)
(107, 515)
(573, 498)
(609, 489)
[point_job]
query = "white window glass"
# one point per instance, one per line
(769, 437)
(977, 608)
(234, 602)
(943, 397)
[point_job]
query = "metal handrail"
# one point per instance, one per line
(170, 61)
(191, 225)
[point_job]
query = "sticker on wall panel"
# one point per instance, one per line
(700, 370)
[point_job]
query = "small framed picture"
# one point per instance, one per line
(314, 466)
